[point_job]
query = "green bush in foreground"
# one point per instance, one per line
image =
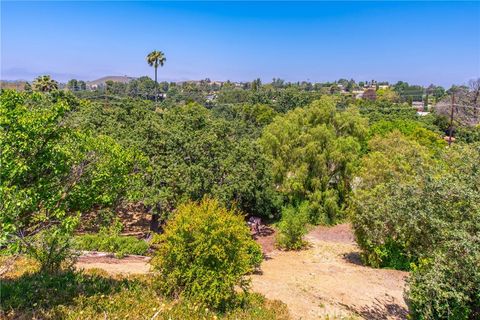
(293, 227)
(204, 255)
(447, 285)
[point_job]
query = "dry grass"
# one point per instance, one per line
(94, 294)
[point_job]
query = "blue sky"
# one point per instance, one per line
(418, 42)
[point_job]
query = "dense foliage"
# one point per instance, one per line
(313, 151)
(108, 239)
(51, 173)
(191, 153)
(292, 153)
(205, 253)
(445, 286)
(406, 200)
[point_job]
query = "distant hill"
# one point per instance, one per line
(122, 79)
(13, 84)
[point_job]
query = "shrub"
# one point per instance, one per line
(447, 285)
(110, 240)
(293, 227)
(204, 254)
(120, 245)
(256, 254)
(52, 250)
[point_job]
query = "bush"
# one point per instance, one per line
(256, 254)
(120, 245)
(110, 240)
(204, 254)
(447, 285)
(52, 250)
(293, 227)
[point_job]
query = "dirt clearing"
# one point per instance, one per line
(327, 280)
(107, 262)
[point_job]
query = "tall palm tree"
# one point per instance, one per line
(155, 59)
(45, 84)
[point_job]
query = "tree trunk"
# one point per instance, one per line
(156, 85)
(156, 224)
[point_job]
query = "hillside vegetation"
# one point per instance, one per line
(201, 159)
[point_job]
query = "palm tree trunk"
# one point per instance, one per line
(156, 85)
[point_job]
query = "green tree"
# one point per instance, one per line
(413, 130)
(142, 87)
(445, 286)
(407, 202)
(387, 95)
(256, 84)
(45, 84)
(313, 151)
(82, 86)
(73, 85)
(156, 59)
(28, 87)
(249, 119)
(51, 173)
(191, 153)
(194, 154)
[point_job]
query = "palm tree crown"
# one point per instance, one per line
(45, 84)
(155, 59)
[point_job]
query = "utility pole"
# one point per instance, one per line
(450, 130)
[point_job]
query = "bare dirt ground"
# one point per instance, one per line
(107, 262)
(326, 281)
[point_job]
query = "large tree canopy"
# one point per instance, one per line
(197, 155)
(191, 152)
(313, 151)
(51, 172)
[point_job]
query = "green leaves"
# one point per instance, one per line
(50, 172)
(406, 203)
(205, 253)
(293, 227)
(313, 150)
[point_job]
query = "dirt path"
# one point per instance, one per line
(324, 281)
(327, 280)
(107, 262)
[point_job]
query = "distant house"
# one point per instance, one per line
(383, 86)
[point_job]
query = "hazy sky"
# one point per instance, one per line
(419, 42)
